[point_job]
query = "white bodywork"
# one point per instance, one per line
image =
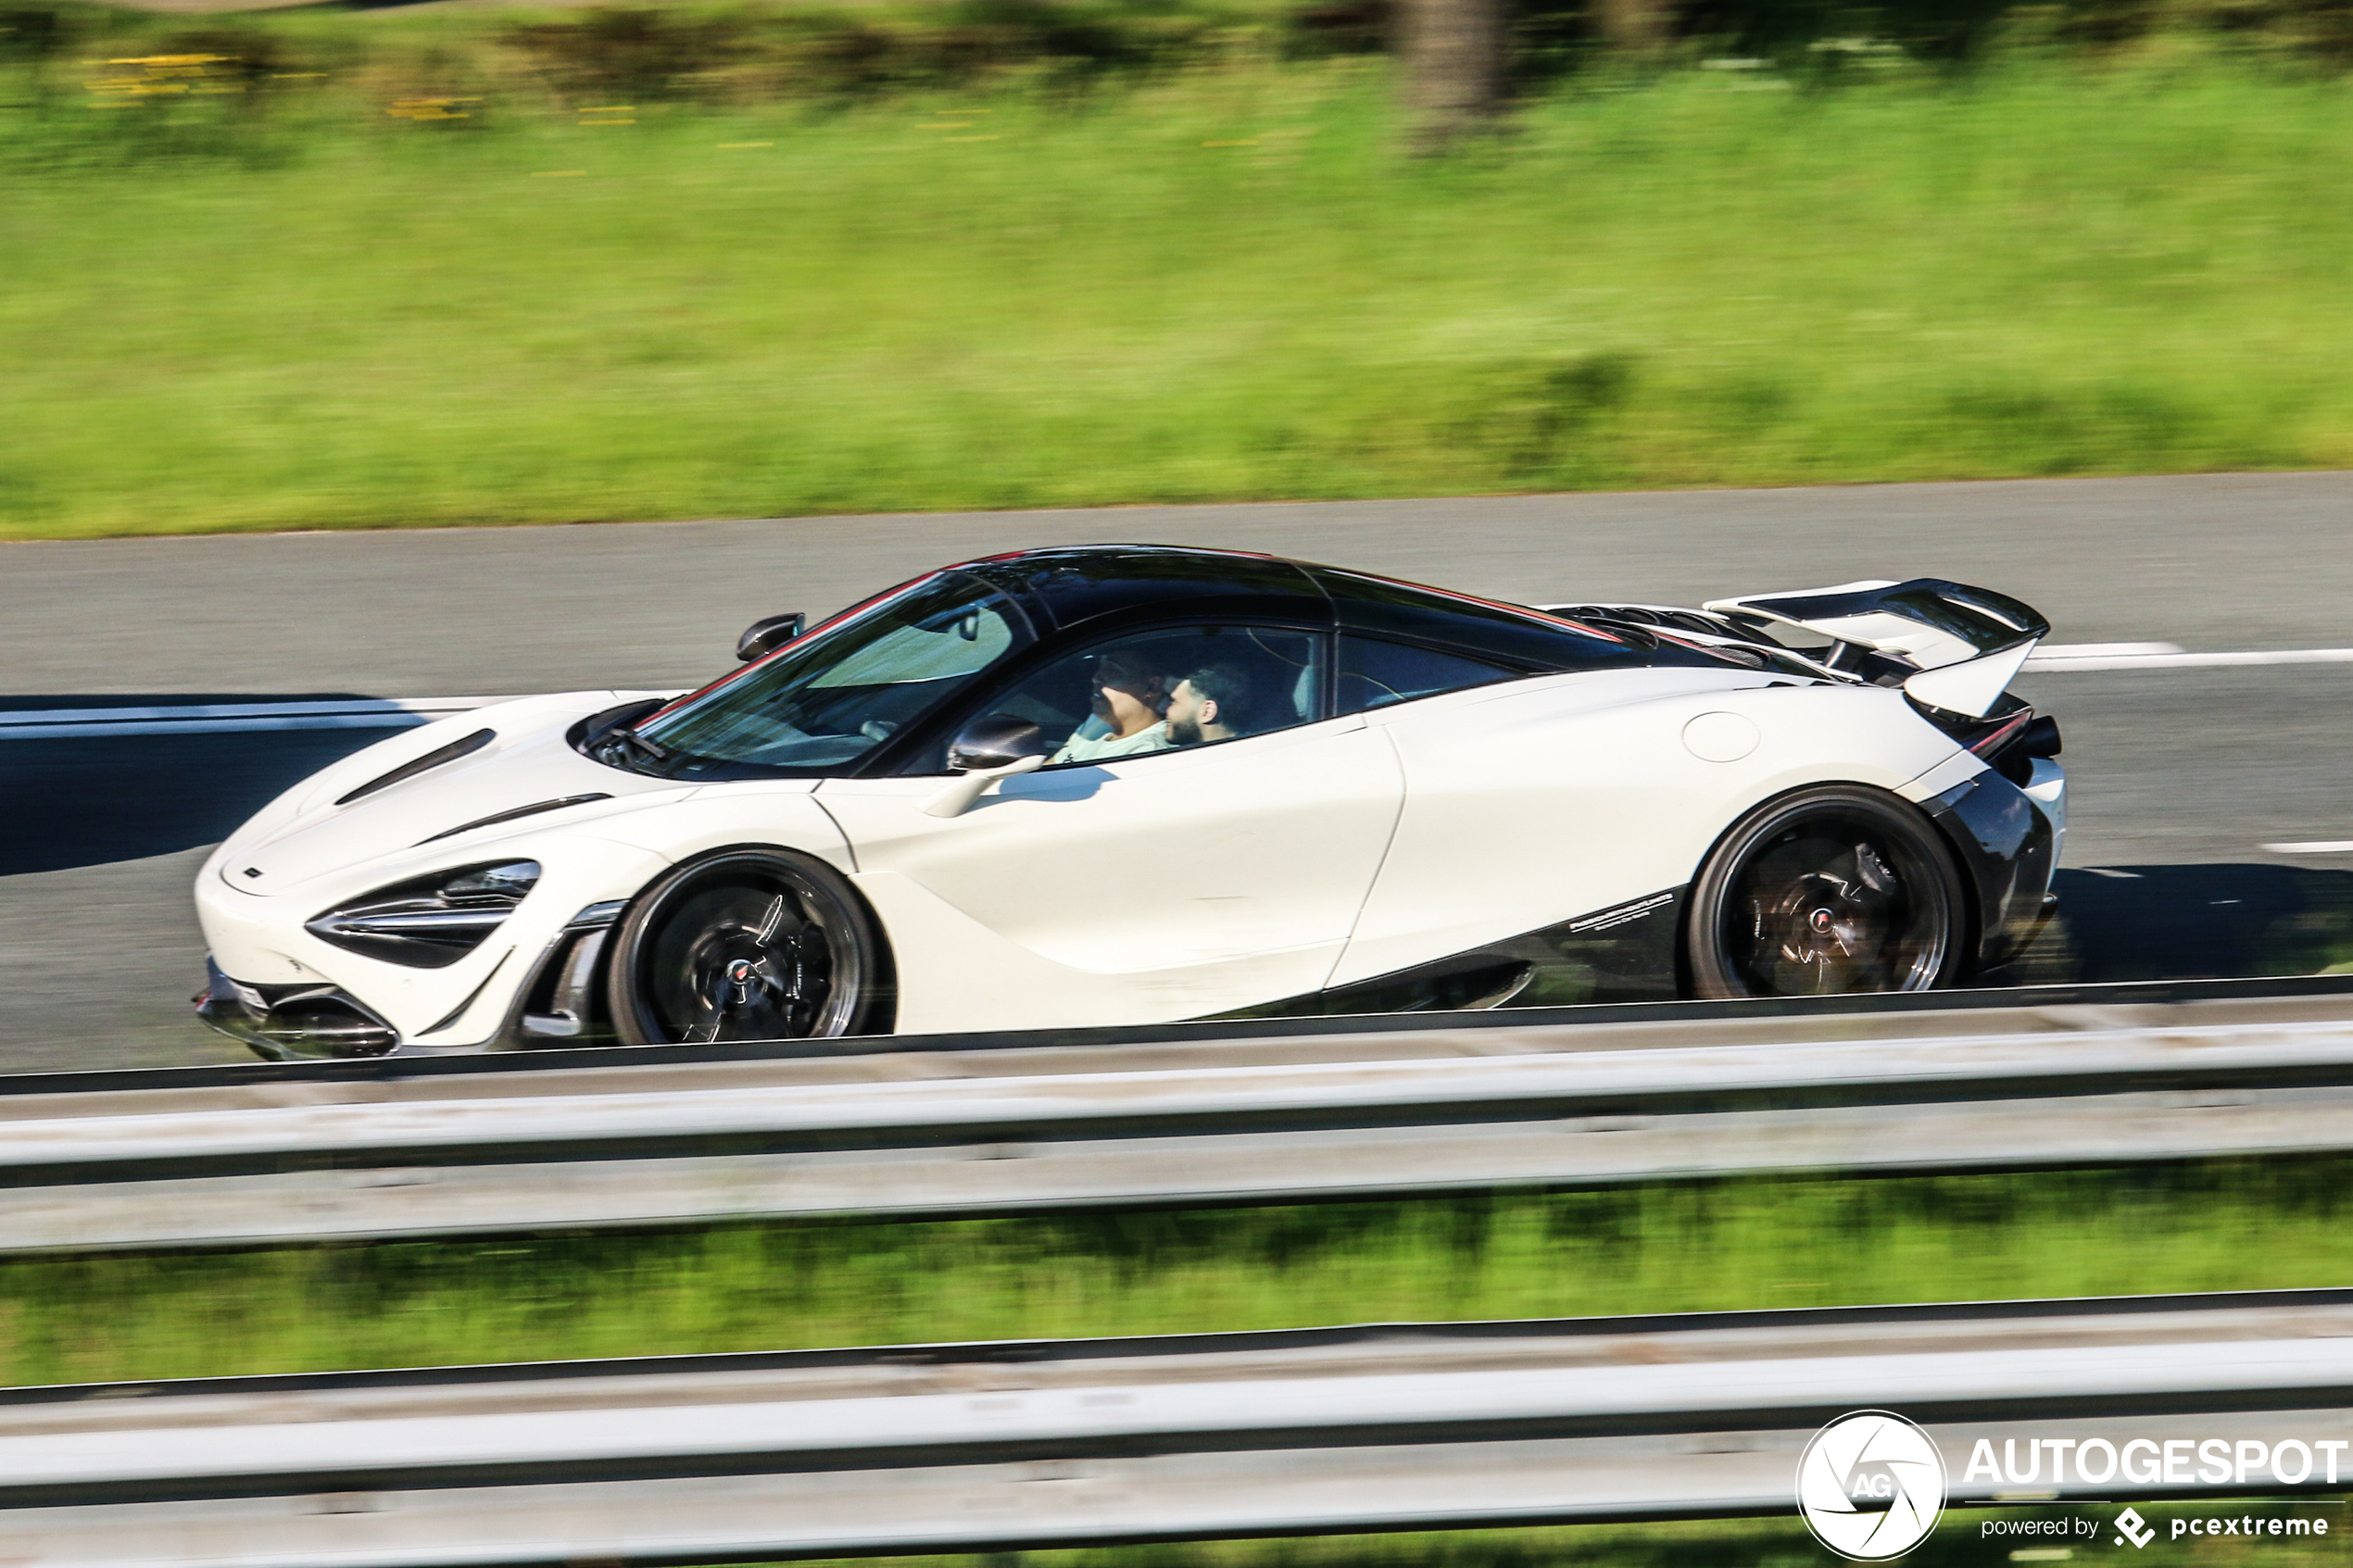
(1531, 803)
(1151, 889)
(1158, 887)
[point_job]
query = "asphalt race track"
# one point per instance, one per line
(2180, 775)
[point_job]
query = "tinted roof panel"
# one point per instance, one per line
(1078, 585)
(1383, 606)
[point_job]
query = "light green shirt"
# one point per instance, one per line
(1101, 748)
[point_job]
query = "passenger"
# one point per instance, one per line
(1208, 705)
(1130, 701)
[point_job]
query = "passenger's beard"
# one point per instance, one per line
(1185, 732)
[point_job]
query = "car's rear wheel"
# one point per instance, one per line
(748, 945)
(1830, 889)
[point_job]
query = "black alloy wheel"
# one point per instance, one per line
(748, 945)
(1838, 888)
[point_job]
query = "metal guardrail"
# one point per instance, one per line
(1257, 1032)
(977, 1446)
(1281, 1117)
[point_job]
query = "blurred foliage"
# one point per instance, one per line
(754, 51)
(709, 53)
(737, 56)
(429, 286)
(33, 34)
(1785, 250)
(1697, 1246)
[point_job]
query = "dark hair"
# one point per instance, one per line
(1118, 663)
(1229, 689)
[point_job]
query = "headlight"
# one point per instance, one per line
(428, 922)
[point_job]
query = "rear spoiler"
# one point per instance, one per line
(1967, 644)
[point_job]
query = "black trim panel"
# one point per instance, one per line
(1624, 953)
(2009, 854)
(464, 747)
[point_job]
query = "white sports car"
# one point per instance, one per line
(1129, 784)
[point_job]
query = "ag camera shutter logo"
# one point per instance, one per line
(1871, 1486)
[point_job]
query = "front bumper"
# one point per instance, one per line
(292, 1022)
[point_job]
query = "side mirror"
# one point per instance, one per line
(997, 740)
(984, 751)
(763, 638)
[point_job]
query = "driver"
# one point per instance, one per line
(1128, 699)
(1207, 705)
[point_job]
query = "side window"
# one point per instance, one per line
(1374, 673)
(1170, 689)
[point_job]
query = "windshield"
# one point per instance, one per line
(827, 699)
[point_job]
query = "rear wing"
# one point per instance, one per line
(1966, 643)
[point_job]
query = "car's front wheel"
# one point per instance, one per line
(1830, 889)
(747, 943)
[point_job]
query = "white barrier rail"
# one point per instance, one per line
(388, 713)
(949, 1447)
(1332, 1114)
(235, 718)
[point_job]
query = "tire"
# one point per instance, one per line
(747, 943)
(1836, 888)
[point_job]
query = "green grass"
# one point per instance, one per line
(1212, 284)
(1703, 1247)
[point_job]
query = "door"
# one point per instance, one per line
(1184, 854)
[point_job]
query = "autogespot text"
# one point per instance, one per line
(2210, 1461)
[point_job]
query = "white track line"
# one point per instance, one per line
(2064, 658)
(2314, 846)
(205, 719)
(2103, 650)
(396, 713)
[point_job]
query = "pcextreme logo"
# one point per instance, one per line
(1871, 1486)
